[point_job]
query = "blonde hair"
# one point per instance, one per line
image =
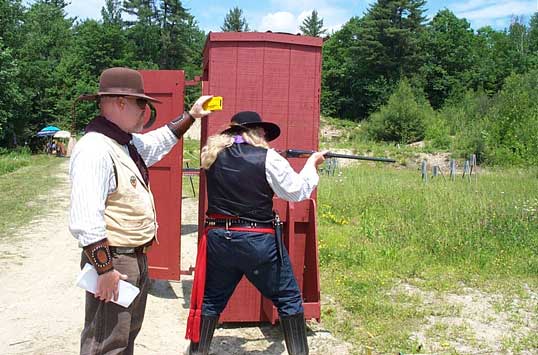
(216, 143)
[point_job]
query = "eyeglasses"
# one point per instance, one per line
(141, 103)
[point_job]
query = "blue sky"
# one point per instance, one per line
(287, 15)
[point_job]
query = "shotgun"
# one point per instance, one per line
(300, 153)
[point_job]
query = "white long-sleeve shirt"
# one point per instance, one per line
(92, 178)
(285, 182)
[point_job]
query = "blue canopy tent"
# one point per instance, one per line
(48, 131)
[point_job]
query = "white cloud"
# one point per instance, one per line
(499, 10)
(84, 9)
(290, 21)
(472, 5)
(303, 15)
(281, 21)
(296, 5)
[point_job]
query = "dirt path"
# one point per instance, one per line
(41, 311)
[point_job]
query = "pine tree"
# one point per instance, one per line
(235, 22)
(111, 12)
(313, 25)
(144, 31)
(11, 14)
(370, 55)
(61, 4)
(533, 33)
(145, 11)
(390, 37)
(175, 22)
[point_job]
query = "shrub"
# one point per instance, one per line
(403, 119)
(438, 133)
(512, 123)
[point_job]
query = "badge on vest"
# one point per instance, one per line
(133, 181)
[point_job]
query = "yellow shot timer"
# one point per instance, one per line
(213, 104)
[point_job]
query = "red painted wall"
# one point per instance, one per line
(279, 76)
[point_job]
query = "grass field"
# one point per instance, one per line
(381, 228)
(191, 156)
(11, 161)
(24, 190)
(383, 235)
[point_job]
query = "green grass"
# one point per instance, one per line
(380, 226)
(11, 161)
(24, 192)
(191, 151)
(191, 156)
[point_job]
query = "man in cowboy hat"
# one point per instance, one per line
(241, 236)
(112, 210)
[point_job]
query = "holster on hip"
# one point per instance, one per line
(278, 236)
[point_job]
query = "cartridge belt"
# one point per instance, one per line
(235, 223)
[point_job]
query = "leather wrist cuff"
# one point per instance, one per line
(100, 256)
(181, 124)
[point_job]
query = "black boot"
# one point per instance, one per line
(294, 328)
(207, 328)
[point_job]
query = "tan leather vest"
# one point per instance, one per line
(130, 210)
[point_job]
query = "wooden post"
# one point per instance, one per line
(466, 169)
(424, 170)
(452, 169)
(473, 166)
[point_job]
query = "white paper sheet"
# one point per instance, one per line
(87, 280)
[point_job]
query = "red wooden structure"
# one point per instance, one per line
(166, 176)
(277, 75)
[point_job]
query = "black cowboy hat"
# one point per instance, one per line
(250, 119)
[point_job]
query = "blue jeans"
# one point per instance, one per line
(232, 254)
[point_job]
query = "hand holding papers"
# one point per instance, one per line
(87, 279)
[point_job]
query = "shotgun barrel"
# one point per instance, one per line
(300, 153)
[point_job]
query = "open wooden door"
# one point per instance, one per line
(167, 86)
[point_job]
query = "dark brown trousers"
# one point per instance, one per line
(110, 328)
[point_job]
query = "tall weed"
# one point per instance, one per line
(11, 160)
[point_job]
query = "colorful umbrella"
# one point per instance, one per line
(48, 131)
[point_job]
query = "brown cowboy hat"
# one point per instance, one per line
(120, 82)
(250, 119)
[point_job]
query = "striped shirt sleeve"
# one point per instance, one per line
(285, 182)
(92, 173)
(154, 145)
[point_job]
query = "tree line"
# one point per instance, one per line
(405, 77)
(47, 58)
(408, 79)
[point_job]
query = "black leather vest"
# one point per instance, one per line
(236, 184)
